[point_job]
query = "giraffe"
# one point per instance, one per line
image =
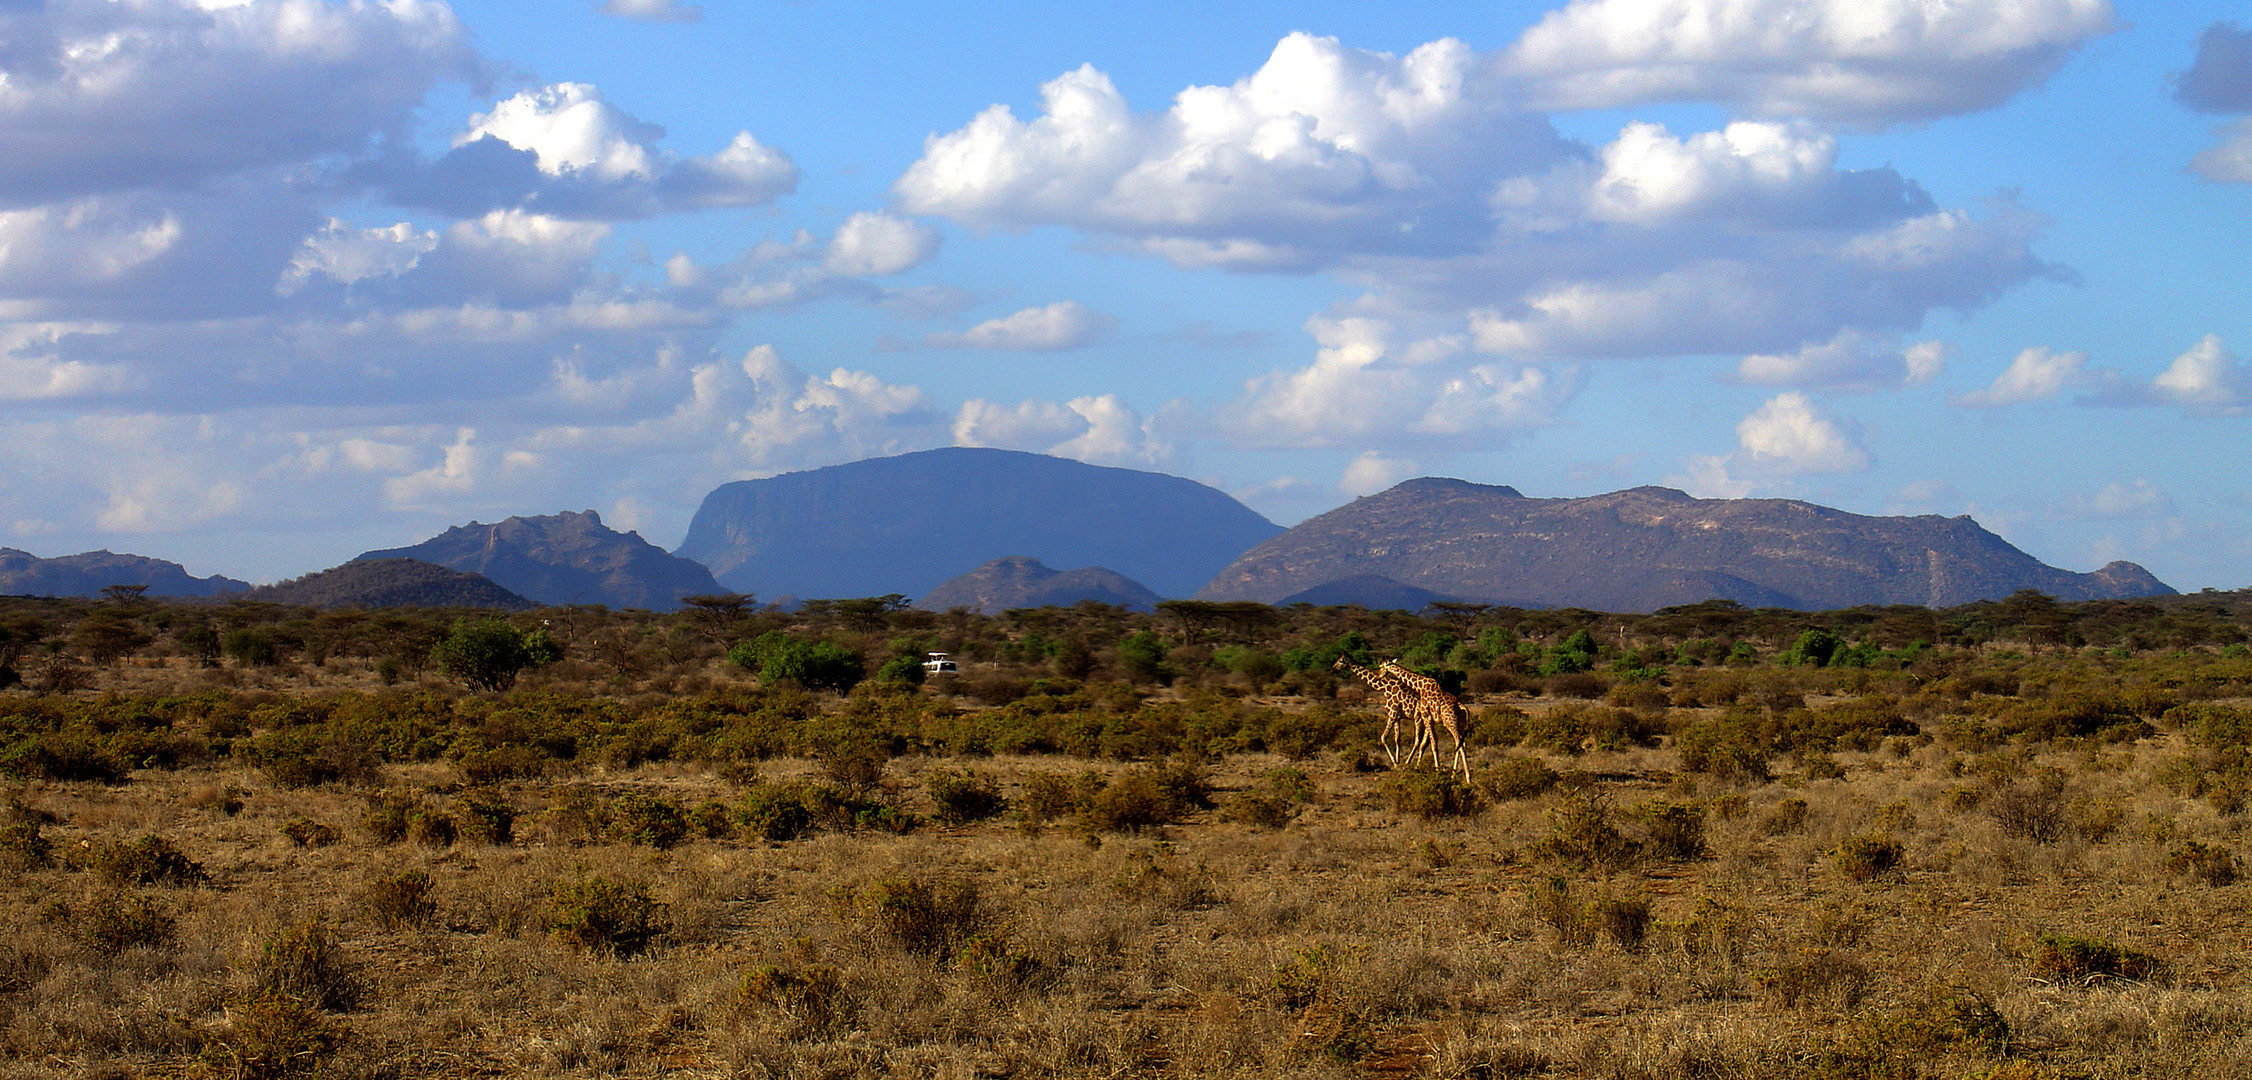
(1398, 700)
(1433, 708)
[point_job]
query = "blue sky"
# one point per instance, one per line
(285, 280)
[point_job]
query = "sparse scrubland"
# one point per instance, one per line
(1999, 841)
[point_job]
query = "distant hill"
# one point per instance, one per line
(25, 574)
(382, 583)
(1648, 548)
(1017, 581)
(906, 524)
(565, 559)
(1372, 591)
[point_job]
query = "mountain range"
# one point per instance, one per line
(563, 559)
(981, 529)
(25, 574)
(1643, 549)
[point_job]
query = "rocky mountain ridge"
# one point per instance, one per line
(1649, 547)
(88, 573)
(564, 558)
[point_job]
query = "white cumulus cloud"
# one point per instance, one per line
(1096, 428)
(2036, 374)
(879, 244)
(1850, 361)
(1852, 61)
(1065, 324)
(1370, 472)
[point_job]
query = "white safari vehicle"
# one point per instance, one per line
(940, 664)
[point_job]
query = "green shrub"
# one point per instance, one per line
(816, 665)
(1862, 858)
(487, 653)
(647, 820)
(305, 963)
(390, 814)
(1732, 746)
(601, 915)
(1145, 797)
(150, 860)
(1430, 795)
(401, 899)
(2086, 960)
(964, 796)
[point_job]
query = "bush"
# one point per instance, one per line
(964, 796)
(2033, 811)
(1677, 830)
(2213, 865)
(401, 899)
(812, 999)
(272, 1037)
(816, 665)
(1862, 858)
(303, 962)
(485, 819)
(432, 827)
(1581, 834)
(1625, 920)
(933, 919)
(1431, 795)
(648, 821)
(150, 860)
(1048, 796)
(2086, 960)
(1518, 777)
(1819, 977)
(114, 923)
(1274, 801)
(1143, 797)
(24, 847)
(600, 915)
(305, 832)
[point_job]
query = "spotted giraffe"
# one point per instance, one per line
(1433, 708)
(1398, 701)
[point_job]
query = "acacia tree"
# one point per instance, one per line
(488, 653)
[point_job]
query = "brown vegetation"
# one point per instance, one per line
(2001, 853)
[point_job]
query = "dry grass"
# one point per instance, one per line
(1350, 939)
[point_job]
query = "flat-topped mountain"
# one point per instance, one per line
(1647, 548)
(905, 524)
(1017, 581)
(565, 559)
(382, 583)
(25, 574)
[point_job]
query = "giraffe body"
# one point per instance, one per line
(1399, 703)
(1433, 709)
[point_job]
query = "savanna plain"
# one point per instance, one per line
(1996, 841)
